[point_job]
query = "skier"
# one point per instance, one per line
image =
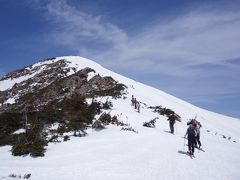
(171, 120)
(191, 135)
(197, 142)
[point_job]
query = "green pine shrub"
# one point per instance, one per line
(105, 118)
(66, 138)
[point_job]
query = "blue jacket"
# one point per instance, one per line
(191, 132)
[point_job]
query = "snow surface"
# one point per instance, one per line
(10, 101)
(150, 154)
(9, 83)
(19, 131)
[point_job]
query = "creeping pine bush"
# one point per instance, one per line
(150, 124)
(98, 125)
(107, 105)
(66, 138)
(25, 176)
(31, 142)
(61, 129)
(9, 122)
(129, 129)
(105, 118)
(79, 114)
(165, 112)
(72, 115)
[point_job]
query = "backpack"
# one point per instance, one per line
(191, 132)
(171, 119)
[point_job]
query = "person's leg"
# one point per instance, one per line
(189, 145)
(171, 128)
(198, 141)
(193, 145)
(195, 142)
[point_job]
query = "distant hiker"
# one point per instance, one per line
(171, 120)
(135, 103)
(115, 121)
(132, 100)
(191, 135)
(138, 106)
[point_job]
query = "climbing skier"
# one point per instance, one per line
(171, 120)
(191, 135)
(197, 142)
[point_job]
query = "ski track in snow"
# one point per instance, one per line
(150, 154)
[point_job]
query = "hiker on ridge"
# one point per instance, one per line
(191, 135)
(172, 120)
(138, 106)
(132, 100)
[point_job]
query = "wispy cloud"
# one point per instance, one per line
(193, 39)
(201, 45)
(83, 32)
(197, 37)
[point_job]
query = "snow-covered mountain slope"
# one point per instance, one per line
(149, 154)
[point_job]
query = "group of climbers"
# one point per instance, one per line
(192, 133)
(136, 104)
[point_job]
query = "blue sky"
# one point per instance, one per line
(188, 48)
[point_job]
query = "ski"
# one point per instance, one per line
(200, 149)
(190, 155)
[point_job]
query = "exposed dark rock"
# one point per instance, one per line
(53, 83)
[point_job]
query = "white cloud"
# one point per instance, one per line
(79, 30)
(195, 38)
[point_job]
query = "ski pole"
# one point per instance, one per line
(184, 144)
(176, 128)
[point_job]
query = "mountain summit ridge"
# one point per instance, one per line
(48, 70)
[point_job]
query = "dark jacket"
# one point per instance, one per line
(191, 132)
(172, 119)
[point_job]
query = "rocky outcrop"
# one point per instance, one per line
(54, 84)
